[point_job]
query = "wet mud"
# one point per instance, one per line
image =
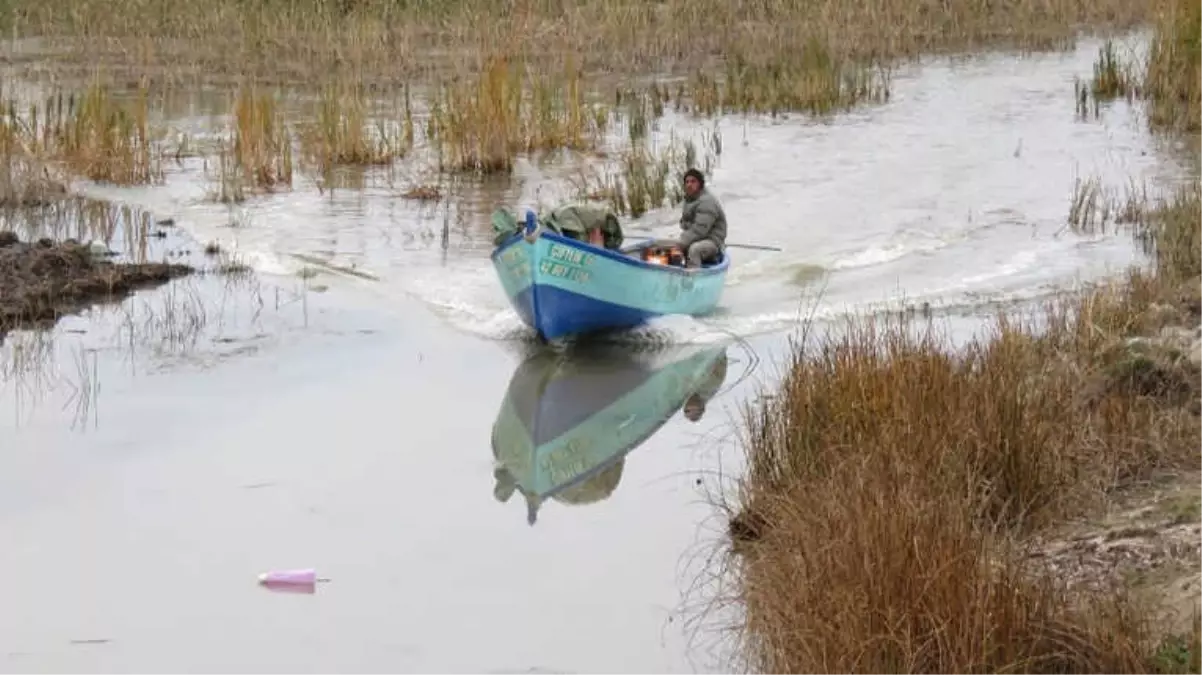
(44, 280)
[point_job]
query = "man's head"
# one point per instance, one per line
(694, 408)
(694, 182)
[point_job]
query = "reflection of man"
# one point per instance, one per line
(597, 487)
(694, 407)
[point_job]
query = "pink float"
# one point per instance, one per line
(292, 581)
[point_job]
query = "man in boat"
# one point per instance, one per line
(702, 221)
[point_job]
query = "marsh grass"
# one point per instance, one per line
(809, 79)
(1113, 76)
(646, 177)
(1171, 81)
(345, 133)
(479, 124)
(96, 135)
(390, 41)
(890, 474)
(893, 478)
(102, 138)
(262, 144)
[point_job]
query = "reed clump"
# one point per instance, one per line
(346, 134)
(647, 178)
(95, 135)
(100, 137)
(890, 475)
(25, 179)
(1112, 76)
(1171, 81)
(480, 124)
(810, 79)
(262, 144)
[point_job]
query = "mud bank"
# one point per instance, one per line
(44, 280)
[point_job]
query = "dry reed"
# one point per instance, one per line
(397, 42)
(480, 124)
(345, 133)
(892, 479)
(809, 78)
(101, 138)
(1172, 80)
(890, 473)
(647, 178)
(262, 145)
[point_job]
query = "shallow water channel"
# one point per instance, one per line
(156, 456)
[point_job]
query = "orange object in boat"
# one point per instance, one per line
(595, 237)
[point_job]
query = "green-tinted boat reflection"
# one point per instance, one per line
(569, 418)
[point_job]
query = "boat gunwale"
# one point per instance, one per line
(720, 268)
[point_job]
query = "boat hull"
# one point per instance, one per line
(561, 287)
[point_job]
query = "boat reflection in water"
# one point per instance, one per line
(569, 418)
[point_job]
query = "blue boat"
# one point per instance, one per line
(561, 286)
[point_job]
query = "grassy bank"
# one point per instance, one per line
(907, 506)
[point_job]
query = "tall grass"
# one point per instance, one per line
(258, 153)
(646, 177)
(890, 474)
(479, 124)
(262, 142)
(345, 133)
(809, 78)
(401, 40)
(94, 134)
(893, 480)
(102, 138)
(1171, 82)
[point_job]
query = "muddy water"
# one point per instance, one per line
(156, 456)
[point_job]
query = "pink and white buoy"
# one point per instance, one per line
(292, 581)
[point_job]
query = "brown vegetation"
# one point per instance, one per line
(344, 133)
(1172, 82)
(892, 479)
(398, 42)
(43, 281)
(478, 124)
(262, 145)
(901, 493)
(646, 177)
